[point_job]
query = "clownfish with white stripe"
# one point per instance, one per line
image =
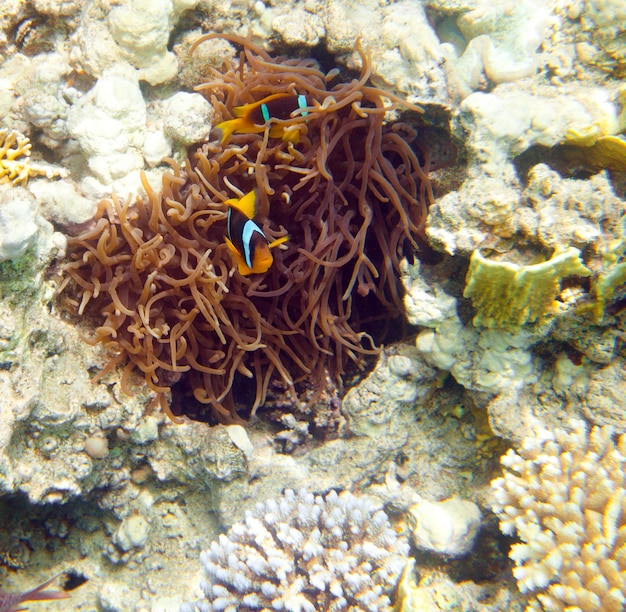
(246, 240)
(253, 118)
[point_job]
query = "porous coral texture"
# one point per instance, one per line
(14, 158)
(563, 493)
(305, 553)
(351, 196)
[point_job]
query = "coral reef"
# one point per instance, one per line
(563, 494)
(352, 198)
(305, 552)
(96, 482)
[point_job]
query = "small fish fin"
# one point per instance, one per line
(247, 205)
(290, 135)
(232, 247)
(278, 242)
(241, 264)
(40, 594)
(228, 127)
(243, 110)
(262, 259)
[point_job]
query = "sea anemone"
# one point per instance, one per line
(350, 191)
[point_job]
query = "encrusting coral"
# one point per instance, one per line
(350, 192)
(509, 295)
(564, 494)
(305, 553)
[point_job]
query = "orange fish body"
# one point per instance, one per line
(246, 240)
(253, 118)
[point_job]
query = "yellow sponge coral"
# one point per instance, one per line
(509, 295)
(564, 494)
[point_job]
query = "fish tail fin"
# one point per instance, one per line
(40, 594)
(228, 127)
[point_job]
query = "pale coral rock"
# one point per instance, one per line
(446, 527)
(462, 220)
(603, 33)
(109, 123)
(116, 596)
(188, 118)
(97, 447)
(58, 8)
(141, 29)
(136, 32)
(61, 201)
(600, 392)
(44, 102)
(426, 305)
(240, 439)
(504, 124)
(147, 430)
(299, 27)
(156, 146)
(572, 212)
(502, 42)
(132, 533)
(397, 380)
(410, 597)
(482, 360)
(21, 225)
(341, 33)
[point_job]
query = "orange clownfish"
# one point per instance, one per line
(246, 239)
(252, 118)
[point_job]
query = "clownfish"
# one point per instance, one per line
(246, 240)
(252, 118)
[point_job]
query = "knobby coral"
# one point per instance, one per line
(564, 493)
(350, 191)
(305, 553)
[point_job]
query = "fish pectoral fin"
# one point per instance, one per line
(241, 263)
(278, 242)
(291, 134)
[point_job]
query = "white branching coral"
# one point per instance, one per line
(564, 494)
(305, 553)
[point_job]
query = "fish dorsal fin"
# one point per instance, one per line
(242, 111)
(247, 205)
